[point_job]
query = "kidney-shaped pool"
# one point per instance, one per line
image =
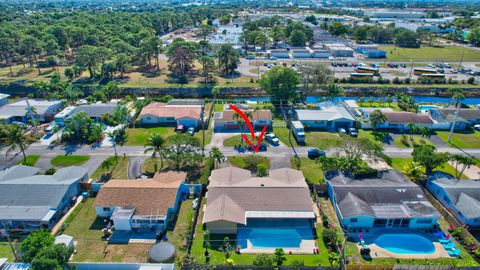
(405, 243)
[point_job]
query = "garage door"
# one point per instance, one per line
(342, 124)
(188, 122)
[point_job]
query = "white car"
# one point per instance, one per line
(476, 127)
(271, 138)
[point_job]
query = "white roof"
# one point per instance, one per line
(351, 103)
(327, 112)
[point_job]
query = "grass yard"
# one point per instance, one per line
(72, 160)
(148, 165)
(118, 171)
(139, 136)
(367, 104)
(6, 251)
(462, 140)
(424, 53)
(86, 229)
(31, 160)
(217, 257)
(218, 107)
(282, 134)
(240, 161)
(320, 139)
(417, 140)
(182, 227)
(400, 163)
(310, 169)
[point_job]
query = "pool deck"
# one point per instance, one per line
(379, 252)
(306, 247)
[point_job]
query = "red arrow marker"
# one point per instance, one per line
(250, 127)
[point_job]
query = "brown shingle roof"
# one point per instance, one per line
(147, 196)
(227, 115)
(164, 110)
(406, 117)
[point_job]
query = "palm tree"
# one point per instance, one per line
(217, 155)
(156, 145)
(15, 137)
(457, 95)
(412, 129)
(118, 136)
(425, 132)
(106, 164)
(113, 136)
(465, 161)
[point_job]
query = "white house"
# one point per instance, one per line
(329, 116)
(173, 113)
(388, 201)
(280, 53)
(465, 118)
(42, 110)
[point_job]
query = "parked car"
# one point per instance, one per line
(272, 139)
(403, 65)
(180, 128)
(476, 127)
(261, 148)
(441, 71)
(315, 153)
(334, 64)
(250, 57)
(431, 65)
(273, 58)
(265, 64)
(392, 65)
(454, 71)
(342, 131)
(191, 131)
(353, 132)
(447, 65)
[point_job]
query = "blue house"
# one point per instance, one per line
(461, 198)
(387, 201)
(30, 202)
(142, 204)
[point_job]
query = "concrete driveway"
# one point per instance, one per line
(135, 167)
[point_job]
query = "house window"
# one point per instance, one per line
(424, 221)
(353, 220)
(106, 209)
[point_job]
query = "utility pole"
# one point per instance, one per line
(14, 251)
(461, 59)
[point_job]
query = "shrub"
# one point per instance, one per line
(206, 171)
(471, 80)
(50, 171)
(262, 170)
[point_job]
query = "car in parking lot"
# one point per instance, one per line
(476, 127)
(314, 153)
(403, 65)
(342, 131)
(334, 64)
(250, 57)
(431, 66)
(353, 132)
(440, 71)
(447, 65)
(272, 138)
(392, 65)
(265, 64)
(273, 58)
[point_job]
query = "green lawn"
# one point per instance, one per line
(400, 163)
(72, 160)
(367, 104)
(320, 139)
(463, 140)
(86, 228)
(118, 171)
(240, 161)
(182, 227)
(31, 160)
(218, 107)
(424, 53)
(6, 251)
(310, 169)
(217, 256)
(139, 136)
(417, 140)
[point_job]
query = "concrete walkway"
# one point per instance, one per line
(59, 224)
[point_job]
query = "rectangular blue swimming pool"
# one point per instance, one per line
(274, 234)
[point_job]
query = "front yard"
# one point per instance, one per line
(400, 163)
(139, 136)
(86, 228)
(31, 160)
(6, 251)
(310, 169)
(119, 170)
(406, 142)
(71, 160)
(462, 139)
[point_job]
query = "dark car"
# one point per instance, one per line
(353, 132)
(403, 65)
(262, 148)
(315, 153)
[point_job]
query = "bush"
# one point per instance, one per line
(209, 163)
(262, 170)
(50, 171)
(471, 80)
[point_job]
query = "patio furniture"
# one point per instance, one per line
(444, 241)
(449, 246)
(454, 253)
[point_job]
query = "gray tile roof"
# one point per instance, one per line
(18, 171)
(464, 194)
(390, 195)
(19, 108)
(463, 114)
(31, 197)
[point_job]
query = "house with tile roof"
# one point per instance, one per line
(227, 121)
(29, 201)
(400, 120)
(387, 201)
(143, 203)
(247, 206)
(460, 197)
(187, 113)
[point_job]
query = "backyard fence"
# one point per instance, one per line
(195, 219)
(464, 233)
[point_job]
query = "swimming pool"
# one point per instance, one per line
(274, 238)
(405, 243)
(424, 108)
